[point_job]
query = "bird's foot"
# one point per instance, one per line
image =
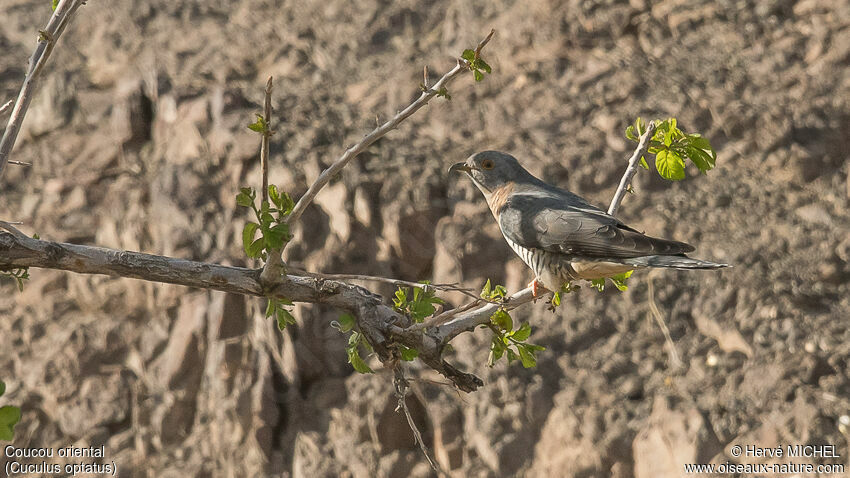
(537, 289)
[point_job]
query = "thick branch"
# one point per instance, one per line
(377, 133)
(375, 320)
(642, 146)
(46, 41)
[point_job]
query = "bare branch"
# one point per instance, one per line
(12, 229)
(383, 327)
(273, 268)
(386, 280)
(46, 41)
(484, 43)
(376, 134)
(642, 146)
(467, 321)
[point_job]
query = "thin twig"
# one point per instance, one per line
(444, 317)
(6, 106)
(642, 146)
(19, 163)
(264, 145)
(273, 269)
(377, 133)
(401, 386)
(675, 361)
(455, 287)
(483, 43)
(46, 41)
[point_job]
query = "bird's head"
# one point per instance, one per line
(491, 170)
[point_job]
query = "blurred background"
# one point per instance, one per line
(138, 141)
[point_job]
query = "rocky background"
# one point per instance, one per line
(138, 141)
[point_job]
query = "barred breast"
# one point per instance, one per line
(549, 268)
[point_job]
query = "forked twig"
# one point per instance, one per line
(401, 386)
(377, 133)
(46, 41)
(634, 160)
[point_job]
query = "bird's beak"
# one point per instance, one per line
(460, 167)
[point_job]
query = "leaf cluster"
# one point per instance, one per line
(671, 146)
(618, 280)
(476, 64)
(416, 304)
(9, 417)
(346, 324)
(508, 341)
(271, 221)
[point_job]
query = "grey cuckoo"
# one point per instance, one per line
(559, 235)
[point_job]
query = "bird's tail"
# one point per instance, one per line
(673, 262)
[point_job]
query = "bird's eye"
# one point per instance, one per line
(487, 164)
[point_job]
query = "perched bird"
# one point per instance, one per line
(559, 235)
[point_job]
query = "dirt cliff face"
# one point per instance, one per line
(138, 141)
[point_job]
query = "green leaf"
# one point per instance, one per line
(484, 66)
(630, 133)
(511, 355)
(255, 248)
(259, 126)
(619, 280)
(485, 291)
(400, 299)
(277, 235)
(346, 323)
(54, 4)
(599, 284)
(700, 158)
(527, 357)
(468, 55)
(274, 195)
(2, 388)
(670, 165)
(640, 125)
(522, 333)
(354, 354)
(556, 299)
(643, 163)
(284, 318)
(286, 203)
(497, 349)
(244, 200)
(477, 75)
(408, 354)
(503, 320)
(444, 92)
(248, 233)
(9, 417)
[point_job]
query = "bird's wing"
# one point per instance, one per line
(566, 224)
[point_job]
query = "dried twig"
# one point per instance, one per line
(642, 146)
(675, 361)
(401, 386)
(377, 133)
(46, 41)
